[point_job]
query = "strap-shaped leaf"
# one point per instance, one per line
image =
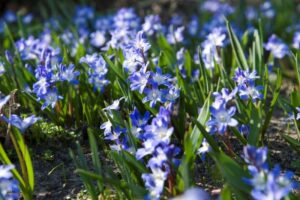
(237, 49)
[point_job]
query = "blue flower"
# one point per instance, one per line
(266, 184)
(158, 78)
(277, 47)
(154, 182)
(148, 148)
(132, 60)
(159, 130)
(138, 80)
(296, 40)
(2, 69)
(99, 82)
(10, 16)
(21, 124)
(27, 18)
(5, 171)
(154, 95)
(68, 73)
(9, 187)
(176, 36)
(85, 12)
(221, 117)
(171, 94)
(225, 94)
(138, 120)
(126, 18)
(103, 23)
(193, 194)
(152, 25)
(298, 114)
(115, 105)
(267, 9)
(107, 126)
(97, 38)
(50, 98)
(140, 45)
(193, 25)
(255, 156)
(272, 185)
(158, 159)
(242, 77)
(176, 20)
(251, 91)
(89, 59)
(3, 101)
(244, 129)
(115, 134)
(205, 148)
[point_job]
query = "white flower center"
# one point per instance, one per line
(222, 116)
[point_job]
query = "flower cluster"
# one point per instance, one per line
(157, 87)
(156, 142)
(49, 68)
(114, 133)
(277, 47)
(210, 47)
(9, 189)
(97, 70)
(267, 183)
(245, 81)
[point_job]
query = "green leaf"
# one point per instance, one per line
(294, 143)
(188, 63)
(24, 160)
(4, 158)
(225, 193)
(116, 70)
(81, 164)
(273, 103)
(95, 156)
(202, 118)
(237, 49)
(255, 124)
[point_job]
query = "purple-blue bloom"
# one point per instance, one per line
(68, 73)
(176, 36)
(255, 156)
(97, 39)
(298, 114)
(3, 101)
(126, 18)
(138, 80)
(277, 47)
(9, 187)
(158, 78)
(139, 120)
(266, 184)
(154, 95)
(296, 40)
(221, 117)
(21, 124)
(242, 77)
(152, 25)
(251, 91)
(50, 98)
(225, 94)
(154, 182)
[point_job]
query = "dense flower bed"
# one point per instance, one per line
(155, 97)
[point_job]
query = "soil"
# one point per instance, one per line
(55, 174)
